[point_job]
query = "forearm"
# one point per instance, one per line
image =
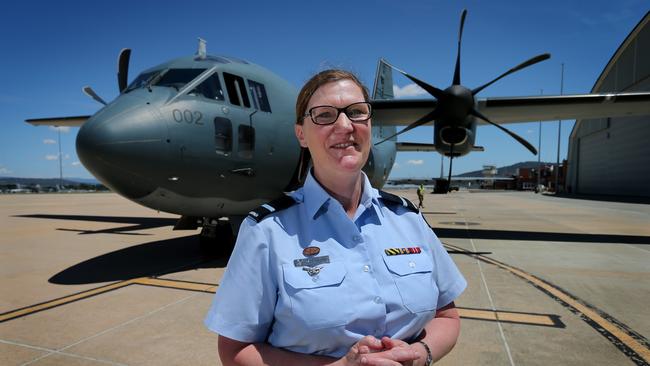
(237, 353)
(440, 334)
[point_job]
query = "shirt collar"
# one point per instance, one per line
(315, 196)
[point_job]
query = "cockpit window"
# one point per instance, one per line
(141, 80)
(176, 78)
(209, 88)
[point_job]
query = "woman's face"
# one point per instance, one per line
(343, 146)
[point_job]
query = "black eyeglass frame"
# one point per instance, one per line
(338, 113)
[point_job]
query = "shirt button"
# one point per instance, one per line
(357, 238)
(366, 268)
(377, 300)
(412, 264)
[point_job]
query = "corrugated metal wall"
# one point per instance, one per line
(612, 156)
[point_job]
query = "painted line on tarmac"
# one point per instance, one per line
(13, 314)
(146, 281)
(632, 344)
(177, 284)
(548, 320)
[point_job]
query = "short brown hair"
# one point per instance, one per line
(318, 80)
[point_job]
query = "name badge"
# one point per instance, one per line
(311, 261)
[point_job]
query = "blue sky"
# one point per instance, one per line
(51, 49)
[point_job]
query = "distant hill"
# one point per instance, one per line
(506, 171)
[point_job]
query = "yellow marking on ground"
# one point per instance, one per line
(506, 316)
(625, 338)
(64, 300)
(181, 285)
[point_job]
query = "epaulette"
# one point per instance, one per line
(393, 200)
(266, 209)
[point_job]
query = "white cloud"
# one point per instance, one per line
(396, 165)
(410, 90)
(4, 170)
(66, 156)
(49, 141)
(51, 157)
(64, 129)
(415, 162)
(75, 163)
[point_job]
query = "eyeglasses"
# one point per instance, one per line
(327, 114)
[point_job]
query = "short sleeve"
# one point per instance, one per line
(244, 303)
(449, 280)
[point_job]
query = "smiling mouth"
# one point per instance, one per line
(343, 145)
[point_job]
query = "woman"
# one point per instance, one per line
(337, 273)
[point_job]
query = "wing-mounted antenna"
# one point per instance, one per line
(201, 52)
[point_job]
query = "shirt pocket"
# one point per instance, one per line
(413, 276)
(318, 301)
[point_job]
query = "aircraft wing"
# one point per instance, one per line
(58, 121)
(401, 112)
(415, 146)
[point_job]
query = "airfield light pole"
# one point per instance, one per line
(58, 129)
(539, 152)
(559, 132)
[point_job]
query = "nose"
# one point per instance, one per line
(121, 146)
(343, 123)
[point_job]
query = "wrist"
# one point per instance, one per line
(426, 352)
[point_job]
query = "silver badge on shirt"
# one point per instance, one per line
(311, 261)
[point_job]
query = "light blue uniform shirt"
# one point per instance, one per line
(265, 297)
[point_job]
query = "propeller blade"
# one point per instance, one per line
(435, 92)
(460, 37)
(123, 68)
(527, 144)
(427, 118)
(91, 93)
(532, 61)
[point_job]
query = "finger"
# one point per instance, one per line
(371, 342)
(375, 361)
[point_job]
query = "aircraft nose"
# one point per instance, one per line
(122, 146)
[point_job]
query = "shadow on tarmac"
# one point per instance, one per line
(155, 258)
(464, 233)
(139, 223)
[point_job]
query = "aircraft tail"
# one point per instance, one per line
(383, 88)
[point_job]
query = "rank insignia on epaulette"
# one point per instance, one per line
(400, 251)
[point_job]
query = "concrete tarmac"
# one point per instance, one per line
(94, 279)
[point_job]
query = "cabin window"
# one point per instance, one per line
(246, 141)
(177, 78)
(222, 135)
(236, 90)
(260, 100)
(210, 88)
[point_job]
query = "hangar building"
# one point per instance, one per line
(611, 156)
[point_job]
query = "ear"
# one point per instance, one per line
(300, 134)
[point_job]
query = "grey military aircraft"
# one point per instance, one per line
(212, 137)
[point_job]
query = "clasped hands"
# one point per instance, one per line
(371, 351)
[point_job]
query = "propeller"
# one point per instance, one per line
(123, 68)
(457, 102)
(122, 76)
(91, 93)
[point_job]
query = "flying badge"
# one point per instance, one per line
(309, 251)
(312, 271)
(311, 261)
(400, 251)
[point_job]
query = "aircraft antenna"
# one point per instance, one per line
(202, 51)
